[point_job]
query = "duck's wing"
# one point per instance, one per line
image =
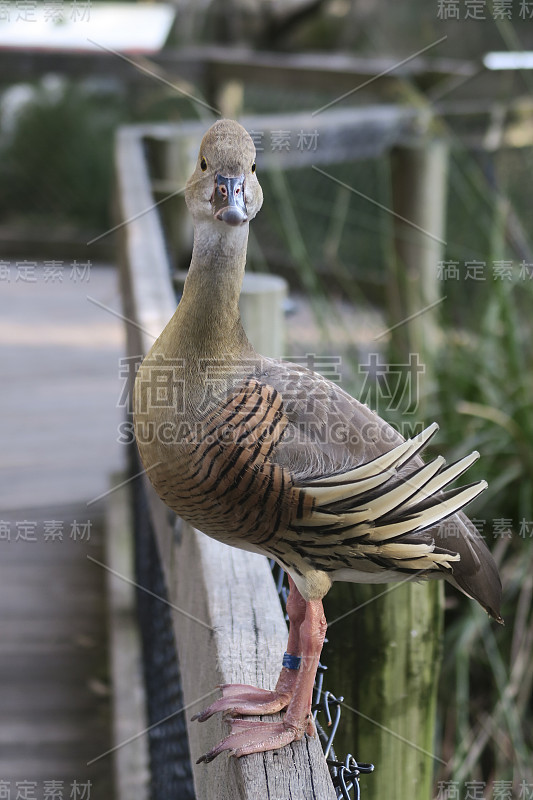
(328, 430)
(333, 444)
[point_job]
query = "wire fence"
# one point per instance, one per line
(170, 765)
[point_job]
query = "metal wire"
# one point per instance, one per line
(344, 775)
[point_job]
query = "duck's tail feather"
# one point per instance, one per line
(405, 521)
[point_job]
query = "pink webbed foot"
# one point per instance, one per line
(238, 698)
(248, 736)
(294, 690)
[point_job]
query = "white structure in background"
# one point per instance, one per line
(126, 27)
(513, 60)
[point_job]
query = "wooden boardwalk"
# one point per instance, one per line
(59, 420)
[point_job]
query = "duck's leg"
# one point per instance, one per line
(248, 736)
(239, 698)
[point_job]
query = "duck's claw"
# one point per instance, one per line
(238, 698)
(248, 737)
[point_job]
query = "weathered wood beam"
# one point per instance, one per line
(198, 64)
(419, 191)
(390, 707)
(296, 140)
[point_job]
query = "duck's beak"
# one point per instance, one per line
(228, 200)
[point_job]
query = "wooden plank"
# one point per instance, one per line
(338, 71)
(232, 591)
(53, 692)
(59, 371)
(315, 64)
(60, 365)
(334, 73)
(149, 302)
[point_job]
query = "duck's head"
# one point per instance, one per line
(224, 187)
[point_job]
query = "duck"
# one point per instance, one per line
(271, 457)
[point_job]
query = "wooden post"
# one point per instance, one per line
(390, 697)
(179, 158)
(419, 176)
(230, 99)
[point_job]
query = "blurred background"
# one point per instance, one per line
(445, 88)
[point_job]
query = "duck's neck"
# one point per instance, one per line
(207, 321)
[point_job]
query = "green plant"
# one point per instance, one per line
(56, 164)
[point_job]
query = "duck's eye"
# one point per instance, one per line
(253, 167)
(203, 164)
